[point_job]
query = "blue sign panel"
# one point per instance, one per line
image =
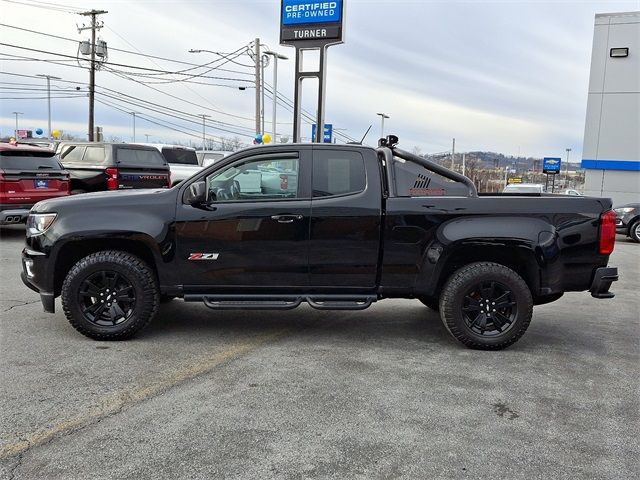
(305, 12)
(551, 165)
(328, 132)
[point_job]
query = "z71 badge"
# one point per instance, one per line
(203, 256)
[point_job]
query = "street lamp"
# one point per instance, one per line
(276, 56)
(382, 116)
(15, 132)
(566, 171)
(48, 77)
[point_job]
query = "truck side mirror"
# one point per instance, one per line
(197, 194)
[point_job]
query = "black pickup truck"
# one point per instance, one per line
(336, 226)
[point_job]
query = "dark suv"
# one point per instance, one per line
(628, 220)
(113, 166)
(28, 175)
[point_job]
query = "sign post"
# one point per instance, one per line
(551, 166)
(311, 25)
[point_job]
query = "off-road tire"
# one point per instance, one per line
(137, 273)
(452, 300)
(430, 302)
(634, 231)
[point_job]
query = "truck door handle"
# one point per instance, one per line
(286, 218)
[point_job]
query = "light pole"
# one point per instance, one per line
(276, 56)
(566, 170)
(49, 77)
(204, 117)
(382, 116)
(15, 132)
(147, 135)
(134, 126)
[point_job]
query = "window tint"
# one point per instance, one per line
(337, 173)
(29, 161)
(264, 179)
(72, 153)
(180, 155)
(139, 157)
(95, 156)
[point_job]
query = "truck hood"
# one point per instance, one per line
(112, 199)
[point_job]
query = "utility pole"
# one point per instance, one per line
(15, 132)
(453, 154)
(147, 136)
(49, 77)
(464, 163)
(92, 70)
(204, 130)
(258, 61)
(134, 126)
(382, 117)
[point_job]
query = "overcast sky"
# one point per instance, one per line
(502, 76)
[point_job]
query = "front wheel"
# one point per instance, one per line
(634, 232)
(110, 295)
(486, 306)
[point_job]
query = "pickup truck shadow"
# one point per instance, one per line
(411, 321)
(12, 232)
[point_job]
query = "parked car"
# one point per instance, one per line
(628, 220)
(183, 161)
(571, 191)
(27, 175)
(97, 166)
(336, 226)
(209, 157)
(525, 188)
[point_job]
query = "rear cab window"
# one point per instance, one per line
(29, 160)
(140, 157)
(180, 156)
(337, 172)
(72, 153)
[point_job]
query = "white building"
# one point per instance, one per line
(611, 151)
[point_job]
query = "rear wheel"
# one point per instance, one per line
(110, 295)
(486, 306)
(634, 231)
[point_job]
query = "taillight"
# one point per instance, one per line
(1, 174)
(607, 232)
(112, 181)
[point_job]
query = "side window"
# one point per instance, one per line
(270, 178)
(337, 172)
(72, 154)
(95, 156)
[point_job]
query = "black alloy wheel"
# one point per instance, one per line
(489, 308)
(107, 298)
(486, 305)
(110, 295)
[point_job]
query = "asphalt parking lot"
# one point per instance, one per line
(383, 393)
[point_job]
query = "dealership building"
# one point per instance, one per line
(611, 151)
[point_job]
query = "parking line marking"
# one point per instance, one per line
(119, 401)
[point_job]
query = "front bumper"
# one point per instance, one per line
(34, 275)
(602, 280)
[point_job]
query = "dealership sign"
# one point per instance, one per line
(311, 22)
(551, 165)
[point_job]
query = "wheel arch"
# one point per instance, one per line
(71, 251)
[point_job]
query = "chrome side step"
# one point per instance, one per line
(283, 302)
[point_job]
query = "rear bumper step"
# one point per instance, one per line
(283, 302)
(602, 281)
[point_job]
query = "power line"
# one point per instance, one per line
(45, 5)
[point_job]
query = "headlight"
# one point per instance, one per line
(37, 223)
(622, 211)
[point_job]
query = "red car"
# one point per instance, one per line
(28, 175)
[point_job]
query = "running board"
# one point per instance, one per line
(283, 302)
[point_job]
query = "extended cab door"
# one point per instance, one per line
(346, 214)
(254, 234)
